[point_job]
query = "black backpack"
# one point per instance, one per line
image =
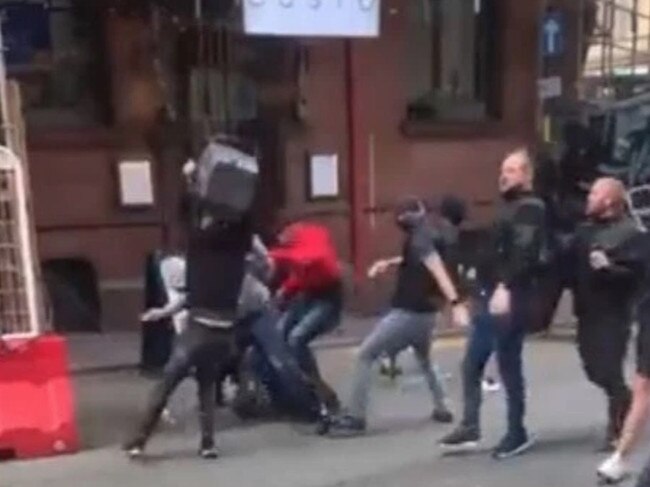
(225, 181)
(548, 250)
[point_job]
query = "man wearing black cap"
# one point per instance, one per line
(422, 277)
(450, 213)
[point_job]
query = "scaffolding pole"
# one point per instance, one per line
(618, 47)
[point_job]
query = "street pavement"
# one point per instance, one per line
(565, 413)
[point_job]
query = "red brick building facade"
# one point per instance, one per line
(356, 99)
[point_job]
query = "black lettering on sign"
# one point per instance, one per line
(366, 5)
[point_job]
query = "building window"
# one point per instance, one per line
(55, 49)
(453, 68)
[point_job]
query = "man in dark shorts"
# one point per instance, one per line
(616, 467)
(607, 278)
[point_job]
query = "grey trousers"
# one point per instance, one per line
(398, 330)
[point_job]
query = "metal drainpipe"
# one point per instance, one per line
(355, 170)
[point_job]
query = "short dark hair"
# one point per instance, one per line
(454, 209)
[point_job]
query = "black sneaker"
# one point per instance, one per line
(323, 425)
(462, 438)
(134, 450)
(444, 416)
(512, 445)
(347, 427)
(208, 451)
(211, 453)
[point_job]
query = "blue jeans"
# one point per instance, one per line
(307, 318)
(397, 331)
(505, 337)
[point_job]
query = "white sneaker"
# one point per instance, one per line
(613, 470)
(490, 386)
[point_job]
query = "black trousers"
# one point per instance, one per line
(553, 283)
(603, 339)
(202, 350)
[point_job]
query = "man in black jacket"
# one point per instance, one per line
(219, 238)
(607, 275)
(504, 300)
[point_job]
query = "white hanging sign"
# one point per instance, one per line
(312, 18)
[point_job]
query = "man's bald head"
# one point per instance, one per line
(606, 198)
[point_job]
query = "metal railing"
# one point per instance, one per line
(638, 200)
(19, 308)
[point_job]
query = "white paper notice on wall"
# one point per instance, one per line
(549, 87)
(136, 185)
(324, 176)
(312, 18)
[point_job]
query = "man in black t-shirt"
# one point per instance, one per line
(422, 282)
(448, 215)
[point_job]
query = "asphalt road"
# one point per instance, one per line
(565, 413)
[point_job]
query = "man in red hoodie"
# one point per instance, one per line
(312, 293)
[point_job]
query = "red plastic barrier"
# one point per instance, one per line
(37, 414)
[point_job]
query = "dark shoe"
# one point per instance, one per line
(462, 438)
(323, 424)
(347, 427)
(208, 451)
(512, 445)
(444, 416)
(134, 450)
(330, 403)
(389, 368)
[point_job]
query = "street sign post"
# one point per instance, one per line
(553, 33)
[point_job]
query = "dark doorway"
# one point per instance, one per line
(73, 294)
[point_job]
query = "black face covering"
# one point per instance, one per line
(410, 219)
(512, 193)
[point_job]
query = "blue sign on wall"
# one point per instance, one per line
(25, 29)
(553, 34)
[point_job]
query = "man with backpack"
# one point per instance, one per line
(220, 236)
(506, 295)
